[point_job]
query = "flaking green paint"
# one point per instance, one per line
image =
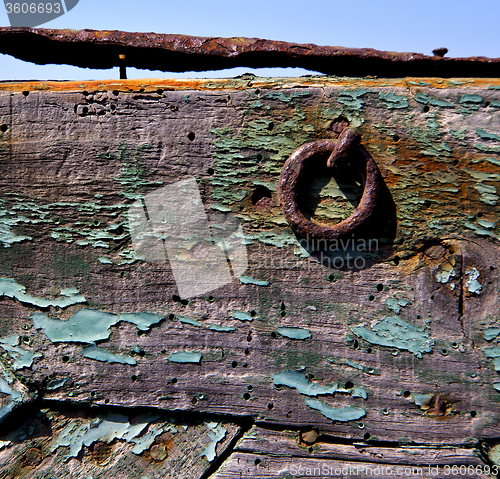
(242, 315)
(249, 280)
(185, 357)
(23, 358)
(11, 289)
(297, 380)
(103, 355)
(217, 433)
(396, 333)
(88, 326)
(294, 333)
(343, 414)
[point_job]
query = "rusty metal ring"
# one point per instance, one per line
(346, 146)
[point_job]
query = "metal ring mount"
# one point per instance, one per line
(347, 145)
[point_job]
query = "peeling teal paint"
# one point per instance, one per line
(104, 260)
(217, 433)
(396, 333)
(423, 400)
(23, 358)
(392, 100)
(471, 98)
(491, 333)
(186, 320)
(428, 100)
(359, 392)
(113, 426)
(223, 329)
(9, 219)
(185, 357)
(493, 353)
(242, 315)
(446, 272)
(103, 355)
(88, 326)
(14, 400)
(146, 441)
(56, 384)
(297, 380)
(249, 280)
(222, 208)
(343, 414)
(486, 135)
(395, 304)
(11, 289)
(472, 284)
(294, 333)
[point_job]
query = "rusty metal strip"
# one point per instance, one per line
(178, 53)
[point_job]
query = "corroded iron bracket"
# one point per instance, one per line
(178, 53)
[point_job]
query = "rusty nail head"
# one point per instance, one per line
(309, 437)
(33, 456)
(158, 452)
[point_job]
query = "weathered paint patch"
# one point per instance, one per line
(491, 333)
(242, 315)
(249, 280)
(493, 353)
(104, 260)
(392, 100)
(88, 325)
(423, 400)
(394, 332)
(93, 352)
(23, 358)
(222, 329)
(56, 384)
(11, 289)
(294, 333)
(297, 380)
(446, 272)
(359, 392)
(145, 441)
(395, 304)
(344, 414)
(217, 433)
(497, 386)
(15, 398)
(185, 357)
(186, 320)
(485, 135)
(472, 284)
(112, 426)
(9, 219)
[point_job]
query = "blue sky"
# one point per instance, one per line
(465, 28)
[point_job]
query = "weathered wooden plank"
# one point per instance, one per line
(259, 440)
(74, 160)
(250, 465)
(72, 443)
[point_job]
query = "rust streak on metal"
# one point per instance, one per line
(176, 53)
(289, 183)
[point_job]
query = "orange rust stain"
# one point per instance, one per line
(152, 84)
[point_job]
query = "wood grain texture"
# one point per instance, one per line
(73, 159)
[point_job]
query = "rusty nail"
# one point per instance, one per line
(33, 456)
(123, 67)
(158, 452)
(440, 52)
(309, 437)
